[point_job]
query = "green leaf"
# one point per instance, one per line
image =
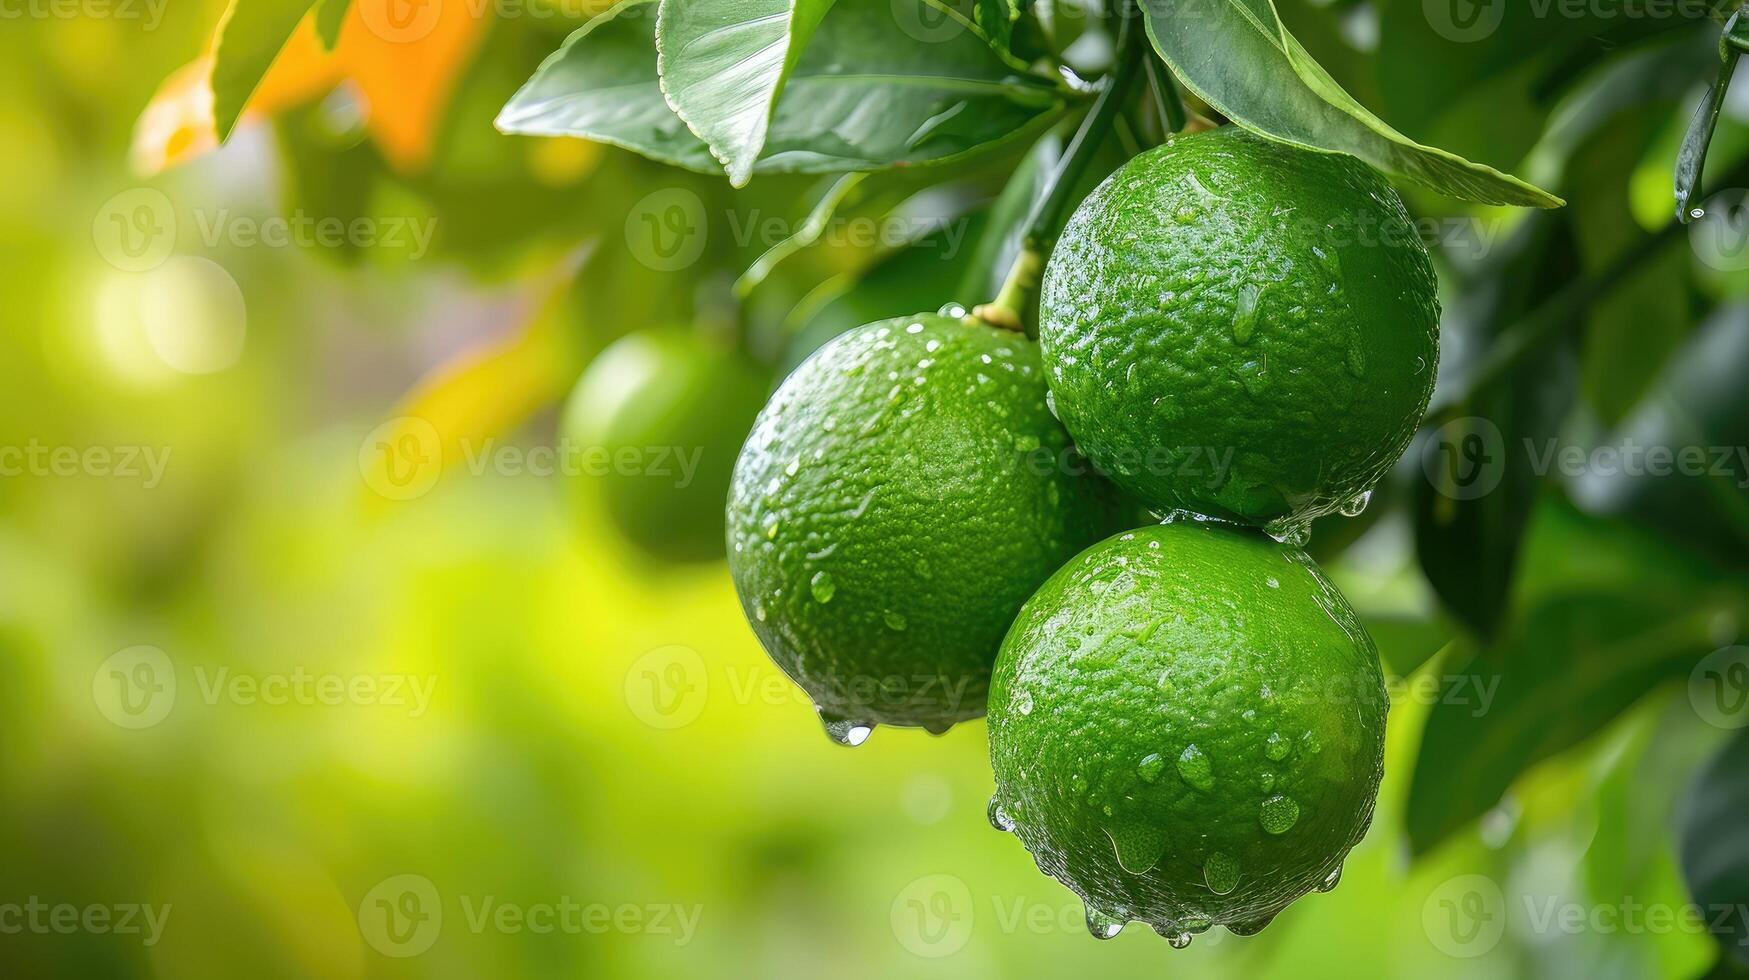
(865, 96)
(996, 19)
(1237, 57)
(250, 36)
(1561, 675)
(330, 17)
(602, 85)
(1691, 161)
(723, 65)
(1715, 843)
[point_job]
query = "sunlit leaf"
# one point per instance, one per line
(330, 17)
(249, 37)
(1237, 57)
(724, 63)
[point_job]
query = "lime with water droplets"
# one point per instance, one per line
(1242, 329)
(900, 496)
(1266, 660)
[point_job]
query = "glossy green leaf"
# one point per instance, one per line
(723, 65)
(602, 85)
(1691, 161)
(1563, 673)
(250, 36)
(865, 96)
(996, 19)
(1237, 56)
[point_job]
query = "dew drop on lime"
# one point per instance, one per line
(843, 730)
(1331, 880)
(1245, 313)
(1194, 768)
(1023, 702)
(1179, 940)
(1278, 814)
(1138, 847)
(1150, 767)
(759, 611)
(1289, 531)
(822, 587)
(895, 621)
(954, 310)
(1356, 505)
(999, 817)
(1266, 780)
(1277, 746)
(769, 523)
(1221, 873)
(1102, 926)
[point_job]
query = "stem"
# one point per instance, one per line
(1044, 222)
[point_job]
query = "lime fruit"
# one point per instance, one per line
(649, 437)
(903, 493)
(1187, 728)
(1242, 329)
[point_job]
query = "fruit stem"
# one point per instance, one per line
(1007, 310)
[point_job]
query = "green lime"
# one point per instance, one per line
(1242, 329)
(1187, 727)
(649, 439)
(903, 493)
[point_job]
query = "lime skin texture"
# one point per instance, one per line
(901, 495)
(655, 423)
(1241, 329)
(1187, 728)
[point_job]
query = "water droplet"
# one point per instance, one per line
(1150, 767)
(999, 817)
(1179, 940)
(1251, 928)
(1245, 316)
(954, 310)
(1272, 582)
(1138, 847)
(1266, 780)
(770, 522)
(1331, 880)
(822, 587)
(1356, 505)
(937, 728)
(1289, 531)
(1278, 814)
(894, 621)
(914, 328)
(1221, 873)
(1186, 215)
(1310, 743)
(794, 467)
(1102, 926)
(1194, 767)
(1277, 746)
(1023, 702)
(843, 730)
(759, 611)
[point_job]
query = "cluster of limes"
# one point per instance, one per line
(935, 519)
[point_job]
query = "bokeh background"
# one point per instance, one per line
(311, 666)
